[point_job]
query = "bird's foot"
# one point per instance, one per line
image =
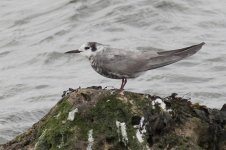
(121, 92)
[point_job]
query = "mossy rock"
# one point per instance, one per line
(104, 119)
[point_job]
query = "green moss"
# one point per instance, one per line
(54, 132)
(173, 141)
(102, 119)
(58, 133)
(99, 111)
(107, 112)
(140, 103)
(23, 136)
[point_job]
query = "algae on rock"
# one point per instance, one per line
(103, 119)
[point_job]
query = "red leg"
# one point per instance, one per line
(124, 81)
(122, 85)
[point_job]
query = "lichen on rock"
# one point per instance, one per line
(95, 118)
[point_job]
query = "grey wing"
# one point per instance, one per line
(122, 63)
(168, 57)
(190, 49)
(126, 63)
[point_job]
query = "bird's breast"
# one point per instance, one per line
(98, 67)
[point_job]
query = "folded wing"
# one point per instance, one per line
(131, 63)
(168, 57)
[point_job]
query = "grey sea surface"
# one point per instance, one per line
(35, 34)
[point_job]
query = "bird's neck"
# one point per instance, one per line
(91, 59)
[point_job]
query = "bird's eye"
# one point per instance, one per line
(86, 48)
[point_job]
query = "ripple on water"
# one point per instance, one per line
(170, 5)
(187, 64)
(187, 79)
(210, 95)
(12, 90)
(2, 140)
(215, 59)
(212, 24)
(218, 68)
(15, 123)
(3, 54)
(41, 86)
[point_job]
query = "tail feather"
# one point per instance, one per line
(169, 57)
(190, 48)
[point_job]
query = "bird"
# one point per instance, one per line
(123, 64)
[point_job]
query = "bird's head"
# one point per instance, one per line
(88, 49)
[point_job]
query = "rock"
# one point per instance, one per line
(96, 118)
(223, 107)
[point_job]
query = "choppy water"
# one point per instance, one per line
(34, 34)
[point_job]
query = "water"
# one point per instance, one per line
(34, 34)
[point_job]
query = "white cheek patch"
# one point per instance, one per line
(87, 53)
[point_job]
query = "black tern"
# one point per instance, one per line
(123, 64)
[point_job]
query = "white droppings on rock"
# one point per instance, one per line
(62, 142)
(90, 140)
(121, 129)
(71, 114)
(141, 122)
(141, 131)
(124, 133)
(136, 126)
(147, 147)
(112, 92)
(139, 136)
(162, 104)
(118, 126)
(169, 110)
(40, 138)
(153, 104)
(58, 115)
(43, 134)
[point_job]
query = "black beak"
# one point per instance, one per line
(73, 51)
